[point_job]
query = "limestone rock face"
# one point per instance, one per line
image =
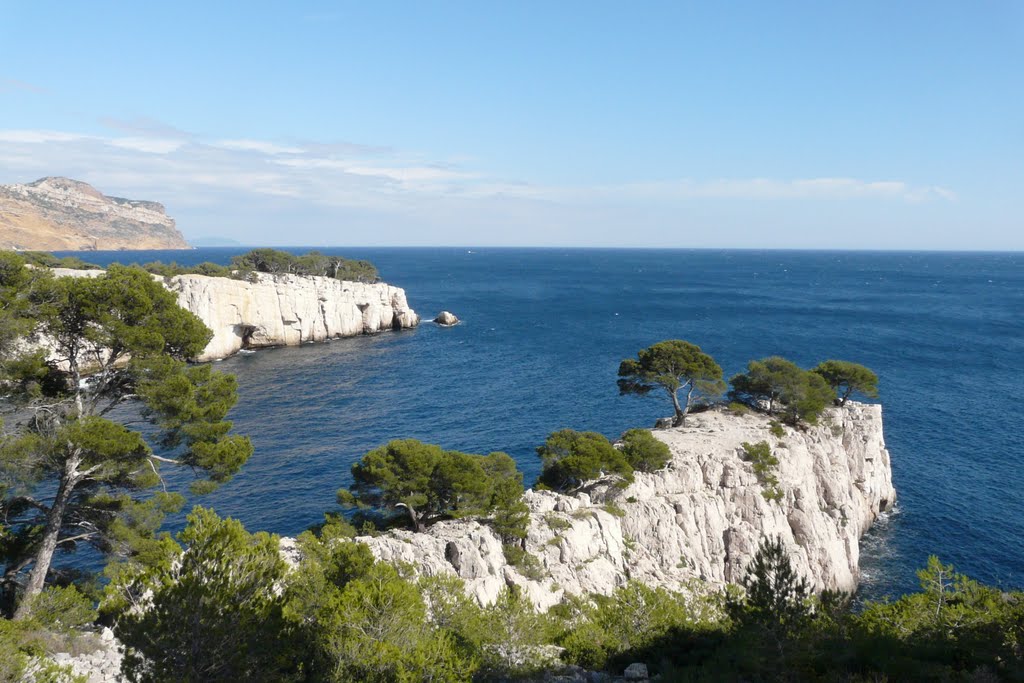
(54, 214)
(282, 310)
(700, 518)
(446, 319)
(287, 310)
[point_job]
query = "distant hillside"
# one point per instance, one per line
(54, 214)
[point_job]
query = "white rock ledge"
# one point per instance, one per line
(282, 310)
(700, 518)
(288, 310)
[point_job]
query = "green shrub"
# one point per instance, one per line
(527, 564)
(557, 522)
(613, 510)
(737, 408)
(573, 458)
(643, 451)
(62, 609)
(765, 464)
(776, 428)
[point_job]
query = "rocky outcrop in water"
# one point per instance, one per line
(282, 310)
(54, 214)
(287, 310)
(446, 319)
(701, 518)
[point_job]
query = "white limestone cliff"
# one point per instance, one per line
(700, 518)
(282, 310)
(287, 310)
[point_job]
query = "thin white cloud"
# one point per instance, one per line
(156, 161)
(258, 146)
(147, 145)
(37, 136)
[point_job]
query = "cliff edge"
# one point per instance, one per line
(700, 518)
(282, 310)
(58, 214)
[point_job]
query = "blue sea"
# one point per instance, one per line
(544, 330)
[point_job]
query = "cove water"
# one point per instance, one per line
(542, 334)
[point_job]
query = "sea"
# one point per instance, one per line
(542, 335)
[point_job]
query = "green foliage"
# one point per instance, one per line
(765, 467)
(643, 451)
(776, 428)
(776, 383)
(527, 564)
(737, 408)
(62, 609)
(630, 625)
(672, 366)
(364, 620)
(845, 378)
(512, 636)
(313, 263)
(128, 334)
(557, 523)
(613, 510)
(44, 259)
(23, 646)
(206, 610)
(573, 458)
(427, 484)
(172, 269)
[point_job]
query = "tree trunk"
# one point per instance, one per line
(48, 545)
(680, 418)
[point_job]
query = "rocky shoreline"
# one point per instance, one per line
(698, 520)
(266, 310)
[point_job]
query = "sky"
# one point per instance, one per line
(851, 125)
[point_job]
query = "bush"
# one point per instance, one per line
(643, 451)
(527, 564)
(760, 454)
(557, 523)
(776, 428)
(62, 609)
(737, 408)
(208, 610)
(613, 510)
(573, 458)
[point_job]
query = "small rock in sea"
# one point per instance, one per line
(446, 318)
(636, 672)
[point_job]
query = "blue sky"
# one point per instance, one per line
(805, 124)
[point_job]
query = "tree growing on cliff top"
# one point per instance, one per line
(672, 365)
(113, 338)
(845, 378)
(573, 458)
(775, 384)
(425, 483)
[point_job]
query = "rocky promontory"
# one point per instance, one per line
(265, 310)
(287, 310)
(701, 518)
(60, 214)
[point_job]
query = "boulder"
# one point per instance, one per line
(446, 319)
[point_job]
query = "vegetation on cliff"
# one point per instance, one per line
(340, 615)
(69, 473)
(673, 366)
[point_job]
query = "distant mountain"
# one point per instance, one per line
(60, 214)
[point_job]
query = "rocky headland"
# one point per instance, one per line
(699, 519)
(56, 214)
(267, 310)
